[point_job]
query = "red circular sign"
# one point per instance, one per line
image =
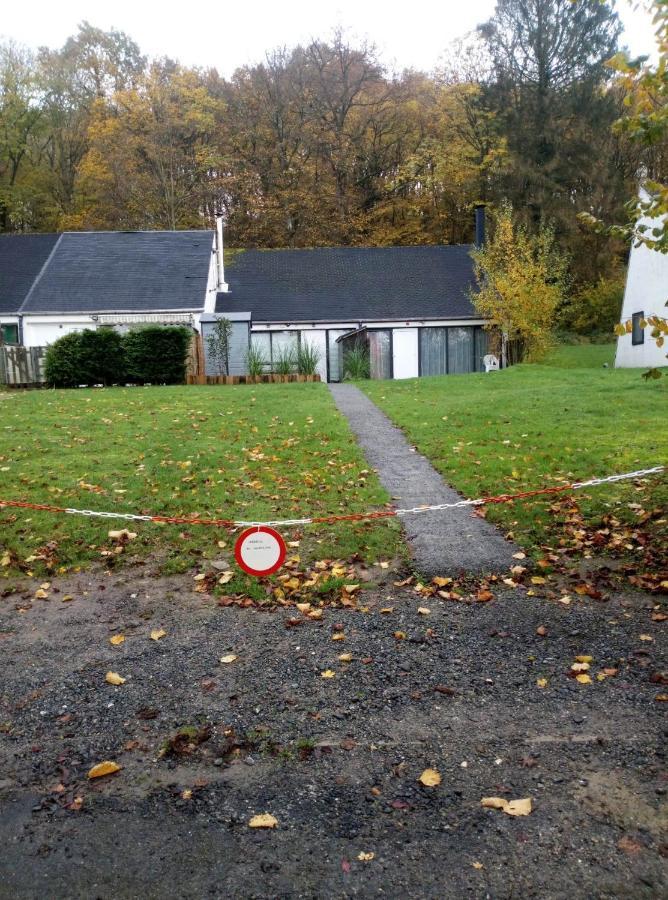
(260, 550)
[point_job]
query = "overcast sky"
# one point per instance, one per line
(226, 35)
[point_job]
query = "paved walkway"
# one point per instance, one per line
(441, 543)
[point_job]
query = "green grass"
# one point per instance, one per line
(273, 451)
(535, 425)
(582, 356)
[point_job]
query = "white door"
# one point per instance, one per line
(404, 352)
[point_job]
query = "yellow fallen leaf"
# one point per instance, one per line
(157, 634)
(6, 560)
(601, 676)
(328, 674)
(430, 778)
(303, 607)
(477, 865)
(315, 614)
(423, 611)
(345, 657)
(441, 582)
(229, 658)
(264, 820)
(580, 667)
(519, 555)
(400, 635)
(123, 534)
(538, 579)
(494, 802)
(583, 679)
(67, 598)
(518, 807)
(199, 577)
(226, 577)
(646, 637)
(117, 639)
(41, 594)
(104, 768)
(338, 636)
(351, 588)
(584, 659)
(187, 794)
(114, 678)
(387, 609)
(541, 682)
(365, 857)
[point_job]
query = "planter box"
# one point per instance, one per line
(251, 379)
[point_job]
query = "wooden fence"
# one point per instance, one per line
(196, 364)
(22, 366)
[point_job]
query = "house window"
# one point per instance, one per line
(273, 344)
(10, 334)
(637, 331)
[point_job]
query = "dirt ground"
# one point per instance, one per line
(336, 760)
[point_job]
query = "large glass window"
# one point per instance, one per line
(380, 353)
(273, 344)
(460, 350)
(433, 351)
(637, 332)
(334, 354)
(480, 348)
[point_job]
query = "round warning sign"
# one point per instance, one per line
(260, 550)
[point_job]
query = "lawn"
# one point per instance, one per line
(274, 451)
(539, 425)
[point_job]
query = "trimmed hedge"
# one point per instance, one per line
(156, 355)
(86, 357)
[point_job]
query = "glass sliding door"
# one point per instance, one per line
(380, 353)
(480, 348)
(334, 354)
(433, 351)
(460, 350)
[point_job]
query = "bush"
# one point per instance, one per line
(285, 361)
(157, 354)
(255, 361)
(86, 357)
(356, 364)
(308, 358)
(595, 309)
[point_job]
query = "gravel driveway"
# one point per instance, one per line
(204, 745)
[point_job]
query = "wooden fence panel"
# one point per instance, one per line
(22, 366)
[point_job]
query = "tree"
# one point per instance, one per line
(522, 281)
(218, 346)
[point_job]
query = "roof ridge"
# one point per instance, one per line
(39, 274)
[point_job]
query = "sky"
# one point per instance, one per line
(227, 35)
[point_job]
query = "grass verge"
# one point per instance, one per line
(275, 451)
(540, 425)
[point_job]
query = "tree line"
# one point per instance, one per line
(321, 145)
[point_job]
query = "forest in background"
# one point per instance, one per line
(322, 145)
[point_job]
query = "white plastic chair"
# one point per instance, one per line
(490, 362)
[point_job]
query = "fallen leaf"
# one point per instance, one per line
(387, 609)
(264, 820)
(226, 577)
(628, 845)
(365, 857)
(423, 611)
(229, 658)
(541, 631)
(494, 802)
(117, 639)
(41, 594)
(67, 598)
(430, 778)
(584, 659)
(108, 767)
(187, 794)
(541, 682)
(351, 588)
(345, 657)
(338, 636)
(328, 674)
(400, 635)
(477, 865)
(646, 637)
(510, 807)
(583, 679)
(580, 667)
(122, 535)
(519, 555)
(114, 678)
(157, 634)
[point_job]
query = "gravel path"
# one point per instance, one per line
(335, 760)
(440, 542)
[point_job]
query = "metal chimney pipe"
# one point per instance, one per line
(222, 284)
(479, 224)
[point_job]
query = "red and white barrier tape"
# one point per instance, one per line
(350, 517)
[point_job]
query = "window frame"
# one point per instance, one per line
(637, 333)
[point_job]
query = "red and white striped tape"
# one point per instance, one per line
(350, 517)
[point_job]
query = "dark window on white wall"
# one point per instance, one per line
(637, 331)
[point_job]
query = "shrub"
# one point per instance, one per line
(356, 364)
(86, 357)
(285, 361)
(255, 361)
(595, 309)
(218, 346)
(308, 358)
(157, 354)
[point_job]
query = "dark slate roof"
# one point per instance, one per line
(350, 283)
(21, 259)
(124, 271)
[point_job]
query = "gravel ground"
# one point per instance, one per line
(335, 760)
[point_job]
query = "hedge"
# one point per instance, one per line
(156, 355)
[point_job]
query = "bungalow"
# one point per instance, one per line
(646, 295)
(410, 306)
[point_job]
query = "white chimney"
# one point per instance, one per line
(222, 285)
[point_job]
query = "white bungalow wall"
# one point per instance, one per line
(646, 292)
